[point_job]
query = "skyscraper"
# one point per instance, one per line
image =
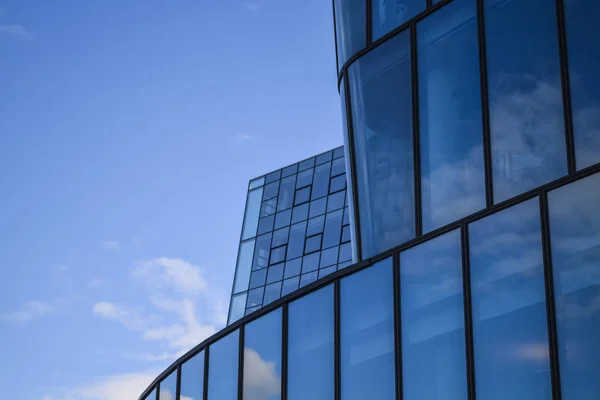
(472, 139)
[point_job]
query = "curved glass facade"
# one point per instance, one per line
(499, 305)
(456, 106)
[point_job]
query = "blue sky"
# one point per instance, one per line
(128, 133)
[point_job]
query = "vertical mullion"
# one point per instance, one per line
(485, 115)
(205, 377)
(550, 301)
(241, 363)
(157, 394)
(468, 312)
(397, 326)
(336, 341)
(284, 350)
(566, 87)
(352, 163)
(369, 22)
(416, 128)
(178, 387)
(337, 62)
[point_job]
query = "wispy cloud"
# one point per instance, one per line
(28, 311)
(242, 137)
(15, 30)
(111, 245)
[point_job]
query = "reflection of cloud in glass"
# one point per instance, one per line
(261, 380)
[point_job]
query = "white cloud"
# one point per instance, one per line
(28, 311)
(261, 380)
(111, 245)
(242, 137)
(15, 30)
(171, 272)
(127, 316)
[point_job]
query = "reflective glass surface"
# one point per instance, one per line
(338, 166)
(575, 238)
(305, 178)
(258, 278)
(283, 218)
(509, 305)
(296, 242)
(311, 262)
(317, 207)
(351, 30)
(262, 249)
(277, 255)
(223, 368)
(433, 334)
(367, 334)
(313, 244)
(583, 42)
(290, 285)
(300, 213)
(452, 173)
(291, 170)
(389, 14)
(262, 358)
(275, 273)
(315, 225)
(292, 267)
(303, 165)
(380, 84)
(525, 95)
(273, 176)
(305, 279)
(244, 266)
(286, 193)
(256, 182)
(265, 224)
(333, 229)
(253, 204)
(280, 237)
(268, 207)
(168, 387)
(152, 395)
(302, 195)
(192, 378)
(271, 190)
(272, 293)
(310, 346)
(336, 200)
(237, 307)
(320, 185)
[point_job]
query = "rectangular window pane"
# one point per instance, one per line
(310, 346)
(339, 152)
(257, 182)
(292, 267)
(326, 271)
(258, 278)
(433, 334)
(306, 164)
(323, 158)
(266, 224)
(575, 238)
(280, 237)
(336, 201)
(305, 279)
(262, 249)
(380, 84)
(509, 305)
(192, 376)
(311, 262)
(388, 14)
(168, 387)
(262, 358)
(452, 174)
(255, 297)
(300, 213)
(283, 218)
(289, 285)
(277, 255)
(313, 243)
(305, 178)
(237, 307)
(320, 186)
(345, 252)
(367, 334)
(296, 242)
(272, 293)
(302, 195)
(351, 30)
(286, 193)
(337, 183)
(275, 273)
(329, 257)
(583, 42)
(291, 170)
(244, 266)
(271, 190)
(317, 207)
(315, 225)
(253, 203)
(223, 368)
(268, 207)
(333, 229)
(525, 95)
(338, 166)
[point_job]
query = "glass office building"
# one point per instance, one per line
(472, 131)
(295, 230)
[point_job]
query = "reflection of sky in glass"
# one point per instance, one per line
(433, 342)
(192, 378)
(575, 238)
(168, 387)
(350, 23)
(526, 113)
(389, 14)
(223, 368)
(450, 115)
(367, 333)
(310, 346)
(262, 358)
(509, 310)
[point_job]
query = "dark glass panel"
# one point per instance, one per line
(351, 30)
(292, 267)
(255, 297)
(326, 271)
(223, 368)
(389, 14)
(333, 229)
(315, 225)
(252, 309)
(526, 112)
(296, 242)
(313, 243)
(345, 252)
(266, 224)
(336, 200)
(258, 278)
(268, 207)
(286, 193)
(192, 375)
(271, 190)
(262, 251)
(283, 218)
(300, 213)
(275, 273)
(280, 237)
(339, 152)
(305, 178)
(291, 170)
(273, 176)
(310, 262)
(289, 285)
(302, 195)
(323, 158)
(277, 255)
(338, 167)
(318, 207)
(272, 293)
(509, 305)
(346, 234)
(320, 185)
(329, 257)
(337, 183)
(306, 279)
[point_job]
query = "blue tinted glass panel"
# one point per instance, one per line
(380, 83)
(305, 178)
(262, 358)
(291, 170)
(273, 176)
(317, 207)
(346, 219)
(367, 334)
(333, 229)
(310, 347)
(192, 373)
(337, 183)
(336, 200)
(306, 279)
(280, 237)
(320, 185)
(268, 207)
(275, 273)
(509, 307)
(300, 213)
(252, 309)
(238, 304)
(252, 213)
(452, 174)
(258, 182)
(292, 267)
(315, 225)
(223, 370)
(329, 257)
(339, 152)
(575, 238)
(277, 255)
(289, 285)
(313, 243)
(346, 234)
(389, 14)
(152, 395)
(345, 252)
(326, 271)
(433, 334)
(296, 242)
(266, 224)
(323, 158)
(344, 264)
(272, 293)
(351, 30)
(255, 297)
(310, 262)
(583, 42)
(338, 166)
(261, 251)
(258, 278)
(302, 195)
(244, 266)
(271, 190)
(526, 113)
(168, 387)
(283, 218)
(306, 164)
(286, 193)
